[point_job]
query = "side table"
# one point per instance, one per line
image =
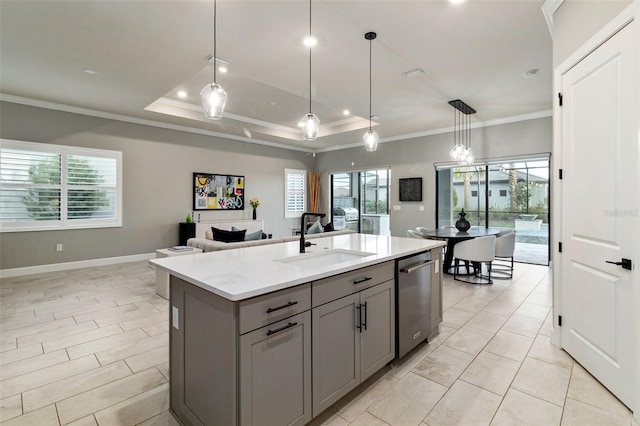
(162, 277)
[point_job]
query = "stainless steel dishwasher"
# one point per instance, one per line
(413, 301)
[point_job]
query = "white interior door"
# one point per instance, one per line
(600, 213)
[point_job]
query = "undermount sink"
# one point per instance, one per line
(326, 257)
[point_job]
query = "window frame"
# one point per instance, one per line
(288, 214)
(64, 222)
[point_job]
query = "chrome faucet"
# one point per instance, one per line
(303, 225)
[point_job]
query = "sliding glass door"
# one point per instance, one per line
(505, 195)
(360, 201)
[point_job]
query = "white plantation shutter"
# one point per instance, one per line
(44, 187)
(295, 192)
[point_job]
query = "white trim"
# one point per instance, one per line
(615, 25)
(477, 125)
(142, 121)
(153, 123)
(54, 267)
(549, 7)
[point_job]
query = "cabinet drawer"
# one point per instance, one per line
(269, 308)
(328, 289)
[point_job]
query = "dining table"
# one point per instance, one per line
(452, 236)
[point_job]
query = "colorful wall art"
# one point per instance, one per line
(218, 192)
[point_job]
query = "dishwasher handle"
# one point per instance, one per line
(415, 267)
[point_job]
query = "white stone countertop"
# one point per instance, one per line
(243, 273)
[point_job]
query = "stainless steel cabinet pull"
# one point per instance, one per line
(278, 330)
(415, 267)
(362, 280)
(277, 308)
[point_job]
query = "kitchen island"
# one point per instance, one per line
(266, 335)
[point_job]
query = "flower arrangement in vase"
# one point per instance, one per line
(254, 202)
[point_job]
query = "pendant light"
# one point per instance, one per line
(461, 151)
(214, 97)
(370, 137)
(310, 121)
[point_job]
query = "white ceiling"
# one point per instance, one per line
(143, 52)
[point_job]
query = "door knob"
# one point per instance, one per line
(625, 263)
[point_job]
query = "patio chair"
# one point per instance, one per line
(478, 251)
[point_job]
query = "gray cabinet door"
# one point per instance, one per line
(275, 373)
(336, 351)
(377, 340)
(203, 356)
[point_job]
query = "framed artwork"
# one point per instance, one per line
(410, 189)
(218, 192)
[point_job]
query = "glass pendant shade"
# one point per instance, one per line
(370, 139)
(214, 99)
(310, 125)
(456, 152)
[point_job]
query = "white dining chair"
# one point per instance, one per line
(423, 230)
(479, 251)
(411, 233)
(503, 263)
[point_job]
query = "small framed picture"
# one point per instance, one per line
(410, 189)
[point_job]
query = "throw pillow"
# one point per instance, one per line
(251, 236)
(316, 228)
(228, 236)
(328, 227)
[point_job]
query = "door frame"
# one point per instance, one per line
(631, 13)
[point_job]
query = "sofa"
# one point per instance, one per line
(208, 244)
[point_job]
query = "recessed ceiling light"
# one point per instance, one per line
(530, 73)
(182, 94)
(310, 41)
(346, 112)
(272, 103)
(223, 69)
(88, 71)
(457, 1)
(414, 72)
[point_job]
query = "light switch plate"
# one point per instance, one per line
(421, 208)
(396, 207)
(175, 317)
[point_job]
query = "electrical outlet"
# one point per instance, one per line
(58, 247)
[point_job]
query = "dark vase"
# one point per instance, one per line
(254, 214)
(462, 224)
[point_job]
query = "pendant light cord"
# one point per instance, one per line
(370, 85)
(215, 57)
(310, 57)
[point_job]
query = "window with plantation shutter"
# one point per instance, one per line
(47, 187)
(295, 192)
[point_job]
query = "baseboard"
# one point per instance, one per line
(40, 269)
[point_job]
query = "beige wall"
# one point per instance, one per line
(157, 172)
(576, 21)
(416, 158)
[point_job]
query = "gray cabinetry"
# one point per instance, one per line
(353, 330)
(275, 373)
(245, 362)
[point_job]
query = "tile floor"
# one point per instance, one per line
(90, 346)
